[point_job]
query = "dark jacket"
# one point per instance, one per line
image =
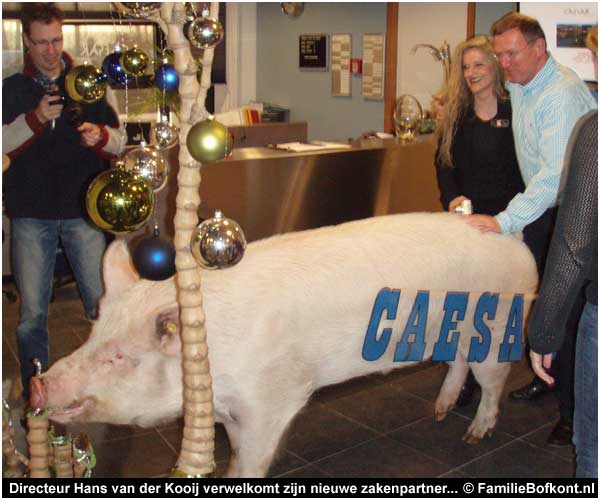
(50, 169)
(484, 163)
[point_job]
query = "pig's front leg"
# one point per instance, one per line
(491, 376)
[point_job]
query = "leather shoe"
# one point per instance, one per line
(562, 434)
(531, 392)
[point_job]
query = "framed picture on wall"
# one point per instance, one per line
(313, 51)
(566, 25)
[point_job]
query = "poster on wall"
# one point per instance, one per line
(341, 50)
(373, 65)
(566, 25)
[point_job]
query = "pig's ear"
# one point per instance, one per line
(168, 329)
(117, 268)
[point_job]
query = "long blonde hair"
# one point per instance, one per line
(457, 96)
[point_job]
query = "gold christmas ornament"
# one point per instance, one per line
(85, 83)
(218, 242)
(137, 9)
(209, 140)
(118, 201)
(205, 32)
(148, 163)
(134, 61)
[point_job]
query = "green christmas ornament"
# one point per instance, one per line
(209, 140)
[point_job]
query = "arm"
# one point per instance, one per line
(108, 138)
(21, 131)
(555, 119)
(446, 183)
(573, 246)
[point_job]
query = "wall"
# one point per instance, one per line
(431, 23)
(488, 12)
(308, 93)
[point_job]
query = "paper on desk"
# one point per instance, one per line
(298, 147)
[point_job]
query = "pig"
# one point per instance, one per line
(288, 319)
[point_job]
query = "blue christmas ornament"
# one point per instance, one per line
(111, 66)
(154, 258)
(166, 78)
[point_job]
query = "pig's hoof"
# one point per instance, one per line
(440, 415)
(471, 438)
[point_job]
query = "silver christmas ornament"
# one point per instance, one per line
(148, 162)
(218, 243)
(205, 32)
(164, 135)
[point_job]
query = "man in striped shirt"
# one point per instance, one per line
(547, 100)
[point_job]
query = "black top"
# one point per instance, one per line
(484, 163)
(573, 258)
(50, 172)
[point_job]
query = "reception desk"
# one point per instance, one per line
(269, 191)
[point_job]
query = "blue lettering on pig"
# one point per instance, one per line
(411, 346)
(479, 349)
(416, 325)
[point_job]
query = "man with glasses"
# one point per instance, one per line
(547, 100)
(53, 161)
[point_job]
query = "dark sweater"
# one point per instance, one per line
(50, 169)
(573, 258)
(484, 163)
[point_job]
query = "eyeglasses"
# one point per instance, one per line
(511, 54)
(45, 44)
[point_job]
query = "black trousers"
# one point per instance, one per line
(538, 236)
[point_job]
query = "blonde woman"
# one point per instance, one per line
(476, 156)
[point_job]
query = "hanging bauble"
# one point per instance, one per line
(205, 32)
(134, 61)
(111, 66)
(166, 78)
(85, 83)
(148, 163)
(74, 114)
(209, 140)
(164, 135)
(118, 201)
(154, 258)
(218, 242)
(138, 9)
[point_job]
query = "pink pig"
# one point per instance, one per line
(290, 318)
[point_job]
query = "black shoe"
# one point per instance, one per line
(467, 391)
(532, 391)
(562, 434)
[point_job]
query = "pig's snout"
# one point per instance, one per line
(38, 395)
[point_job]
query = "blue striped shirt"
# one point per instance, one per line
(544, 113)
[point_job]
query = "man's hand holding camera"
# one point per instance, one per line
(90, 134)
(49, 108)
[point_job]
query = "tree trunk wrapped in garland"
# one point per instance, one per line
(196, 458)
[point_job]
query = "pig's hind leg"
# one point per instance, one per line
(491, 376)
(455, 378)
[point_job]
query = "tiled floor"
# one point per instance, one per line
(376, 426)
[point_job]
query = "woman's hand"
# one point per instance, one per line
(541, 363)
(455, 203)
